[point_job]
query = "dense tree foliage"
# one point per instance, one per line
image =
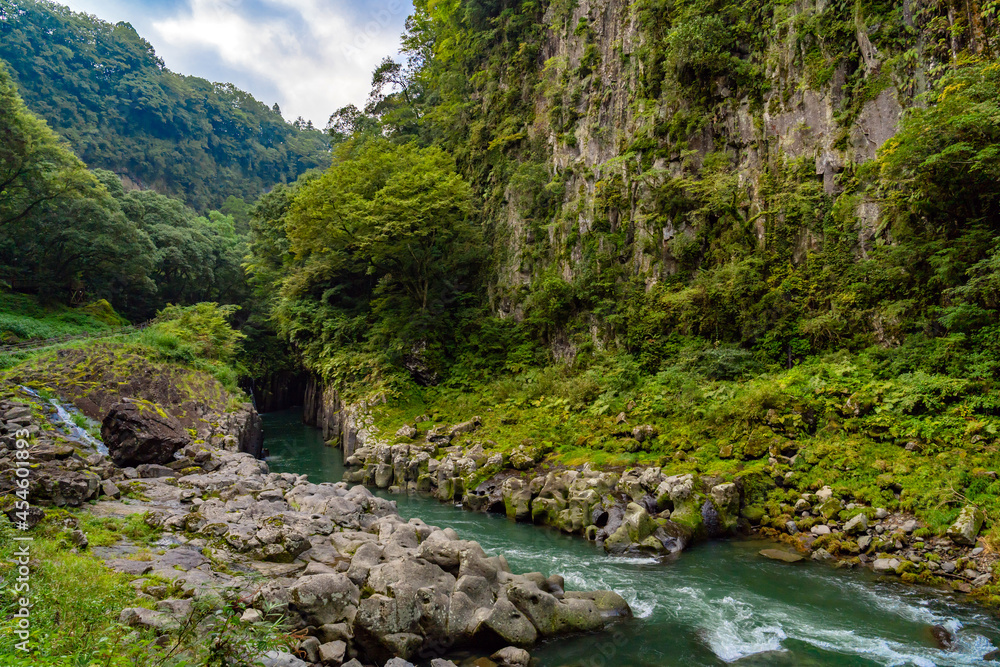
(193, 258)
(69, 234)
(764, 267)
(57, 221)
(103, 88)
(373, 259)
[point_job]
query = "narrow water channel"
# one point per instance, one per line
(717, 604)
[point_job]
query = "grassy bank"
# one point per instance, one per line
(77, 601)
(197, 337)
(909, 441)
(22, 318)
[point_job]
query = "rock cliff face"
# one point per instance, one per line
(343, 425)
(614, 147)
(640, 139)
(97, 378)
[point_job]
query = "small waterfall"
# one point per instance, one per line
(64, 419)
(253, 397)
(74, 431)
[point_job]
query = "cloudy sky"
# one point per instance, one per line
(310, 56)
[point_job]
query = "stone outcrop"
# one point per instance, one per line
(137, 432)
(669, 513)
(347, 572)
(967, 526)
(96, 379)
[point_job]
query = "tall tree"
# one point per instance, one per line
(380, 252)
(36, 167)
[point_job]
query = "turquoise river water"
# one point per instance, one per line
(717, 604)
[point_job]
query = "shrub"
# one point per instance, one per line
(203, 329)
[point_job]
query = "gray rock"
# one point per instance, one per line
(325, 598)
(78, 539)
(153, 471)
(335, 631)
(66, 487)
(910, 526)
(511, 657)
(282, 659)
(822, 556)
(856, 525)
(147, 618)
(881, 513)
(885, 565)
(644, 432)
(32, 516)
(967, 526)
(137, 432)
(407, 431)
(506, 623)
(110, 489)
(398, 662)
(177, 608)
(820, 529)
(251, 616)
(782, 555)
(310, 648)
(332, 653)
(517, 499)
(136, 568)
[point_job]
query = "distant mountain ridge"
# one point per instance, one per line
(103, 87)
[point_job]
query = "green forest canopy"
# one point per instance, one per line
(67, 231)
(103, 88)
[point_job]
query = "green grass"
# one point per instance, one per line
(157, 344)
(23, 318)
(77, 601)
(76, 605)
(921, 442)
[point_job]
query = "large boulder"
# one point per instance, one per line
(516, 499)
(138, 432)
(636, 527)
(55, 486)
(967, 526)
(322, 599)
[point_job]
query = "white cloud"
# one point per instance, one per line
(311, 56)
(317, 55)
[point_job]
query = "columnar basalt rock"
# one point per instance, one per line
(339, 562)
(682, 509)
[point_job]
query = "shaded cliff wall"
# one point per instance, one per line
(648, 140)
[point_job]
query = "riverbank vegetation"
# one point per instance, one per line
(77, 602)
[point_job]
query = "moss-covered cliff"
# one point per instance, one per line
(709, 168)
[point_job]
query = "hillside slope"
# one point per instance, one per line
(104, 89)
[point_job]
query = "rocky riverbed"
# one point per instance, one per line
(356, 582)
(645, 510)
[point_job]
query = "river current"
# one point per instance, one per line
(717, 604)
